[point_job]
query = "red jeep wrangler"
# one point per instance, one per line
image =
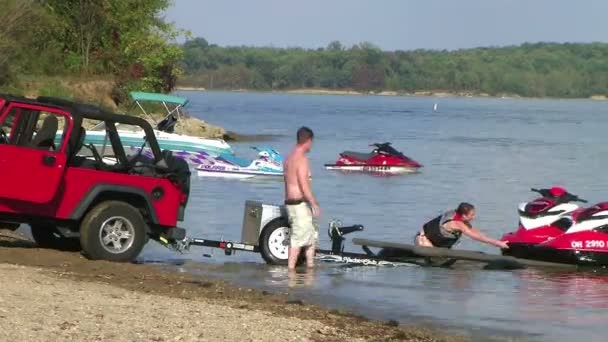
(107, 200)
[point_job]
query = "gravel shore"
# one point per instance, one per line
(50, 295)
(39, 306)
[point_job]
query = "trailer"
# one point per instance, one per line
(265, 230)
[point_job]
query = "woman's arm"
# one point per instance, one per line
(476, 234)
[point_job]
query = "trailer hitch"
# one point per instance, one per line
(336, 234)
(179, 246)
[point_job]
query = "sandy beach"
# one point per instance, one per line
(50, 295)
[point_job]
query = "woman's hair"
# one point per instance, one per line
(464, 208)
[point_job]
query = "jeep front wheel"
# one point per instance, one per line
(113, 231)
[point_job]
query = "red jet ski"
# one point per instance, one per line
(540, 219)
(383, 159)
(556, 230)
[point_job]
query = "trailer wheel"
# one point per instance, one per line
(114, 231)
(274, 241)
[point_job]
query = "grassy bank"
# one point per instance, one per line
(93, 90)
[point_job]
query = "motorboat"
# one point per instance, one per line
(132, 138)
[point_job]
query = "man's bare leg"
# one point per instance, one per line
(292, 257)
(310, 256)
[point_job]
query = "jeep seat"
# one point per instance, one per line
(76, 160)
(76, 144)
(45, 137)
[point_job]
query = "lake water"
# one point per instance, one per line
(485, 151)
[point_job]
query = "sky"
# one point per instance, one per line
(392, 24)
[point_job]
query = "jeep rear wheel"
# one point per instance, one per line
(113, 231)
(47, 236)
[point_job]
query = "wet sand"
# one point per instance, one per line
(52, 295)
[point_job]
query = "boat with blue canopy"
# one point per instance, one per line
(190, 148)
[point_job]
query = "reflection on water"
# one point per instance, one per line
(301, 278)
(570, 290)
(485, 151)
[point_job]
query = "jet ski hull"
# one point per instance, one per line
(268, 165)
(383, 160)
(562, 256)
(236, 174)
(379, 169)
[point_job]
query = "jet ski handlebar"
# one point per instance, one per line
(570, 197)
(379, 144)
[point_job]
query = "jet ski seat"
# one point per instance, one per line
(231, 159)
(357, 155)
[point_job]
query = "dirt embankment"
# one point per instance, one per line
(102, 92)
(52, 295)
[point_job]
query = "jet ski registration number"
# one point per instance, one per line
(214, 167)
(376, 168)
(589, 244)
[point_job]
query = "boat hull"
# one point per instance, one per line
(166, 141)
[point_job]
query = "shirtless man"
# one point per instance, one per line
(300, 202)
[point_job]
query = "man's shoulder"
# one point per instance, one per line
(294, 156)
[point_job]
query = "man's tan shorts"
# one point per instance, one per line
(302, 231)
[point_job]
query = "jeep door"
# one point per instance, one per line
(32, 156)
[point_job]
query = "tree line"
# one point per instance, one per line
(126, 40)
(533, 70)
(130, 42)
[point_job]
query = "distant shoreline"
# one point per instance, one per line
(351, 92)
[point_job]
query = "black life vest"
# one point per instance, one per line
(439, 236)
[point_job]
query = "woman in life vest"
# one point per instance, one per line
(445, 230)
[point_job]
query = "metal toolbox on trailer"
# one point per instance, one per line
(255, 217)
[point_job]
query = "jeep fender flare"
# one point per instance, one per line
(92, 194)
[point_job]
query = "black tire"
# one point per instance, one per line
(113, 214)
(47, 236)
